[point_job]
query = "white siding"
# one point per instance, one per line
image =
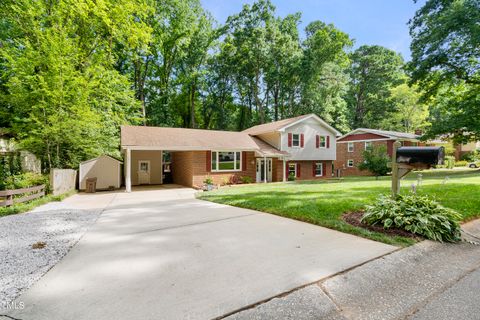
(105, 169)
(310, 128)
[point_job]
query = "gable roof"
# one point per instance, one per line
(101, 156)
(285, 123)
(268, 150)
(184, 139)
(387, 134)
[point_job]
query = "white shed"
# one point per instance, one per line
(106, 169)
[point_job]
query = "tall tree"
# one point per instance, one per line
(67, 99)
(446, 63)
(324, 80)
(408, 113)
(374, 71)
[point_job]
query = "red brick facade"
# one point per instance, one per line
(189, 168)
(306, 169)
(343, 155)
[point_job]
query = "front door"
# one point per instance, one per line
(261, 170)
(144, 172)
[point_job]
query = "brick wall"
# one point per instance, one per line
(357, 156)
(306, 170)
(200, 169)
(182, 167)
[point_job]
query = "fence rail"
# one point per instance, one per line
(31, 193)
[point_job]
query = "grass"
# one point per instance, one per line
(324, 202)
(30, 205)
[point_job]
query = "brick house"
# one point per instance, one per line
(303, 146)
(350, 147)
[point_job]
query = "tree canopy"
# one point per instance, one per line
(71, 72)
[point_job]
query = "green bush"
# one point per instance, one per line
(25, 180)
(449, 162)
(461, 163)
(417, 214)
(291, 177)
(246, 179)
(375, 160)
(208, 180)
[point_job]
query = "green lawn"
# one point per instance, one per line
(323, 202)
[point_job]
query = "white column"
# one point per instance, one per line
(265, 169)
(284, 170)
(161, 167)
(128, 171)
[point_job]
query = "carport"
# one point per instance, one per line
(192, 150)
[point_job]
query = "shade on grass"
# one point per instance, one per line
(323, 202)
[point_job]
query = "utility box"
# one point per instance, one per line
(429, 156)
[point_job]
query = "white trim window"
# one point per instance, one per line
(318, 169)
(292, 169)
(226, 161)
(350, 147)
(368, 145)
(350, 163)
(296, 140)
(323, 142)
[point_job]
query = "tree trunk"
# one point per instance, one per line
(192, 105)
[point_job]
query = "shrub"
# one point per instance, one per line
(25, 180)
(375, 160)
(225, 181)
(291, 177)
(208, 180)
(471, 156)
(462, 163)
(449, 162)
(234, 179)
(246, 179)
(417, 214)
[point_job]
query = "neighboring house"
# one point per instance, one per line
(303, 146)
(463, 149)
(350, 147)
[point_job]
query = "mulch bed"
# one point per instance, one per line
(354, 218)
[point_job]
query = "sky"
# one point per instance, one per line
(381, 22)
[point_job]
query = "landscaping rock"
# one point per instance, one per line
(34, 242)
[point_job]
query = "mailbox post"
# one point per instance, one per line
(405, 159)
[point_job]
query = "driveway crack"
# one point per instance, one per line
(194, 224)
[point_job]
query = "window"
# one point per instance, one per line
(295, 140)
(350, 163)
(323, 142)
(292, 169)
(368, 145)
(318, 169)
(350, 147)
(226, 160)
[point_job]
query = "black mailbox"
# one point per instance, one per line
(423, 155)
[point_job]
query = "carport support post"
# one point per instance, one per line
(265, 168)
(395, 173)
(128, 179)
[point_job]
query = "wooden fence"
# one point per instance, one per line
(28, 194)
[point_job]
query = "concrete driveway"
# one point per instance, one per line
(162, 254)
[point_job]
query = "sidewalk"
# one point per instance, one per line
(426, 281)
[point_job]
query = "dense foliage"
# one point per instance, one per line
(72, 71)
(446, 62)
(417, 214)
(375, 160)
